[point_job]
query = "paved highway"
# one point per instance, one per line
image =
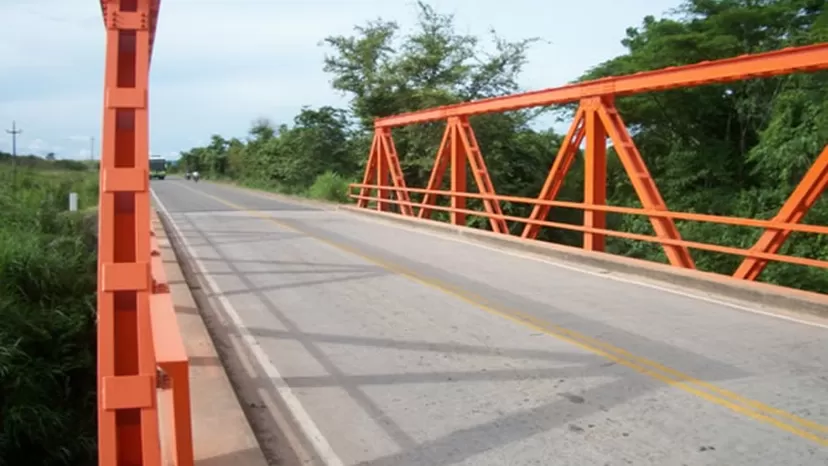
(390, 346)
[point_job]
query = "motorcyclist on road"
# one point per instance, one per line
(195, 176)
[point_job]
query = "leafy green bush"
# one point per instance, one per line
(47, 307)
(329, 186)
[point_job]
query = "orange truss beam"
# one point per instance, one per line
(785, 61)
(459, 147)
(383, 163)
(595, 120)
(801, 200)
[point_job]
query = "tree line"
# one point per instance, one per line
(30, 161)
(734, 149)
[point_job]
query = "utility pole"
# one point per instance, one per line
(14, 132)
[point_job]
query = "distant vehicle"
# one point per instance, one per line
(187, 175)
(195, 176)
(158, 168)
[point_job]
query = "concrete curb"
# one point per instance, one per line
(760, 293)
(222, 435)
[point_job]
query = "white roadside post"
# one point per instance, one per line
(73, 202)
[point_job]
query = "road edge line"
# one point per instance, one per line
(322, 449)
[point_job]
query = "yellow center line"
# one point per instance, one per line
(752, 408)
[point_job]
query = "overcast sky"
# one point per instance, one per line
(219, 64)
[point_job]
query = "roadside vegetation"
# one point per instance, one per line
(736, 149)
(47, 309)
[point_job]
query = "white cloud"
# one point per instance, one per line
(219, 64)
(38, 145)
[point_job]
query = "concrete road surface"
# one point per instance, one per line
(394, 347)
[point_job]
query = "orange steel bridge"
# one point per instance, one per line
(138, 339)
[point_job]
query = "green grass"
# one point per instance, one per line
(47, 306)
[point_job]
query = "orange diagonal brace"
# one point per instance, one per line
(370, 170)
(642, 181)
(479, 171)
(391, 165)
(441, 164)
(813, 184)
(555, 178)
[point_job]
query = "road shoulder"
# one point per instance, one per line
(221, 432)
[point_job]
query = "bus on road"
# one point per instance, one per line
(157, 167)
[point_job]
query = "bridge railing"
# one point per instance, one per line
(715, 219)
(596, 120)
(140, 347)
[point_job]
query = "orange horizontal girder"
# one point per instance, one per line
(785, 61)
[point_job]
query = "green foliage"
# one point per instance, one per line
(330, 186)
(47, 306)
(734, 149)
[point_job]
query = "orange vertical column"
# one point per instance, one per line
(458, 174)
(595, 175)
(127, 414)
(383, 172)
